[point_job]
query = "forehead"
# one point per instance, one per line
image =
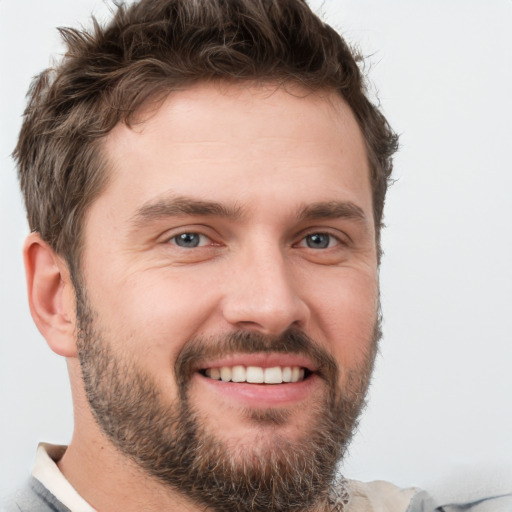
(248, 142)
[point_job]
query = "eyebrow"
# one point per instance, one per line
(334, 210)
(181, 205)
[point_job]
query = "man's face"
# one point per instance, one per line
(230, 294)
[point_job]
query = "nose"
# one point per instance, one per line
(261, 294)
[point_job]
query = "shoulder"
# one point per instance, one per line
(479, 490)
(32, 497)
(380, 496)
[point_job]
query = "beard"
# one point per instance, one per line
(172, 443)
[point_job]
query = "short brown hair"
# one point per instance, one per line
(149, 49)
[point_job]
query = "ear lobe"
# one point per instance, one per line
(51, 295)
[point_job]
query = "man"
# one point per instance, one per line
(205, 184)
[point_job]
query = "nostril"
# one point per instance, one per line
(267, 319)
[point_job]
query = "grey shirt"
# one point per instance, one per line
(34, 497)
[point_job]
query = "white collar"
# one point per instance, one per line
(47, 472)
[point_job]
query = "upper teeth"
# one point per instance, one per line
(257, 374)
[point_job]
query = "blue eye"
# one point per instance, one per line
(318, 240)
(187, 240)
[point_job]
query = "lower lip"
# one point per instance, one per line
(262, 395)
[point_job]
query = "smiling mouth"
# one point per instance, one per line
(257, 374)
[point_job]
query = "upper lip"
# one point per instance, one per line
(264, 360)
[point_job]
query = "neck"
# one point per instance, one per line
(105, 478)
(110, 482)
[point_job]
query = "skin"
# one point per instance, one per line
(268, 157)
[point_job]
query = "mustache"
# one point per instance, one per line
(291, 341)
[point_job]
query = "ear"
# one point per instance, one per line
(51, 295)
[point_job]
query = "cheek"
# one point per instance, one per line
(347, 313)
(153, 314)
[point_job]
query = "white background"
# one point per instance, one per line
(441, 396)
